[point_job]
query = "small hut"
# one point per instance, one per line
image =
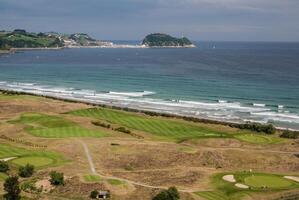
(103, 194)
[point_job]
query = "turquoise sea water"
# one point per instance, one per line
(231, 81)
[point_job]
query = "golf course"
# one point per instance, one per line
(135, 155)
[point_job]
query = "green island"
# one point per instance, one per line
(164, 40)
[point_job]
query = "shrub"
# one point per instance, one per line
(4, 166)
(56, 178)
(94, 194)
(123, 130)
(257, 127)
(170, 194)
(290, 134)
(26, 171)
(11, 186)
(96, 123)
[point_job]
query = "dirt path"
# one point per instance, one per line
(93, 171)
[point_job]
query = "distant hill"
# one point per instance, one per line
(20, 38)
(164, 40)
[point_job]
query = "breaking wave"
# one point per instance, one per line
(145, 100)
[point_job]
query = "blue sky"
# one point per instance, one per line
(225, 20)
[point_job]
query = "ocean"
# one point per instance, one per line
(227, 81)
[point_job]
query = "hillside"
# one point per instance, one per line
(164, 40)
(22, 39)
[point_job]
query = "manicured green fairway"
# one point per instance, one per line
(258, 138)
(41, 125)
(92, 178)
(268, 181)
(38, 158)
(156, 126)
(212, 195)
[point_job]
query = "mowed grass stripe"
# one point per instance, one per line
(212, 195)
(156, 126)
(42, 125)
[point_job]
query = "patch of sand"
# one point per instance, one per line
(294, 178)
(240, 185)
(7, 159)
(44, 184)
(230, 178)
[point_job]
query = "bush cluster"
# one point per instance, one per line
(257, 127)
(26, 171)
(4, 167)
(170, 194)
(97, 123)
(123, 130)
(290, 134)
(56, 178)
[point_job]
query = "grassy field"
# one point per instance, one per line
(39, 158)
(92, 178)
(156, 126)
(42, 125)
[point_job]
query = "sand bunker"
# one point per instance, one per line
(294, 178)
(7, 159)
(240, 185)
(230, 178)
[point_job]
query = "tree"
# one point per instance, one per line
(11, 186)
(56, 178)
(26, 171)
(170, 194)
(3, 167)
(94, 194)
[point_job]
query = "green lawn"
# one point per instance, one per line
(268, 180)
(39, 158)
(92, 178)
(157, 126)
(42, 125)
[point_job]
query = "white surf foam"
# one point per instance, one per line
(221, 110)
(133, 94)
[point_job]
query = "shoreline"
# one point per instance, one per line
(115, 46)
(143, 111)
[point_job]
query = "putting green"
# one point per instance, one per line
(39, 158)
(36, 161)
(258, 139)
(269, 181)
